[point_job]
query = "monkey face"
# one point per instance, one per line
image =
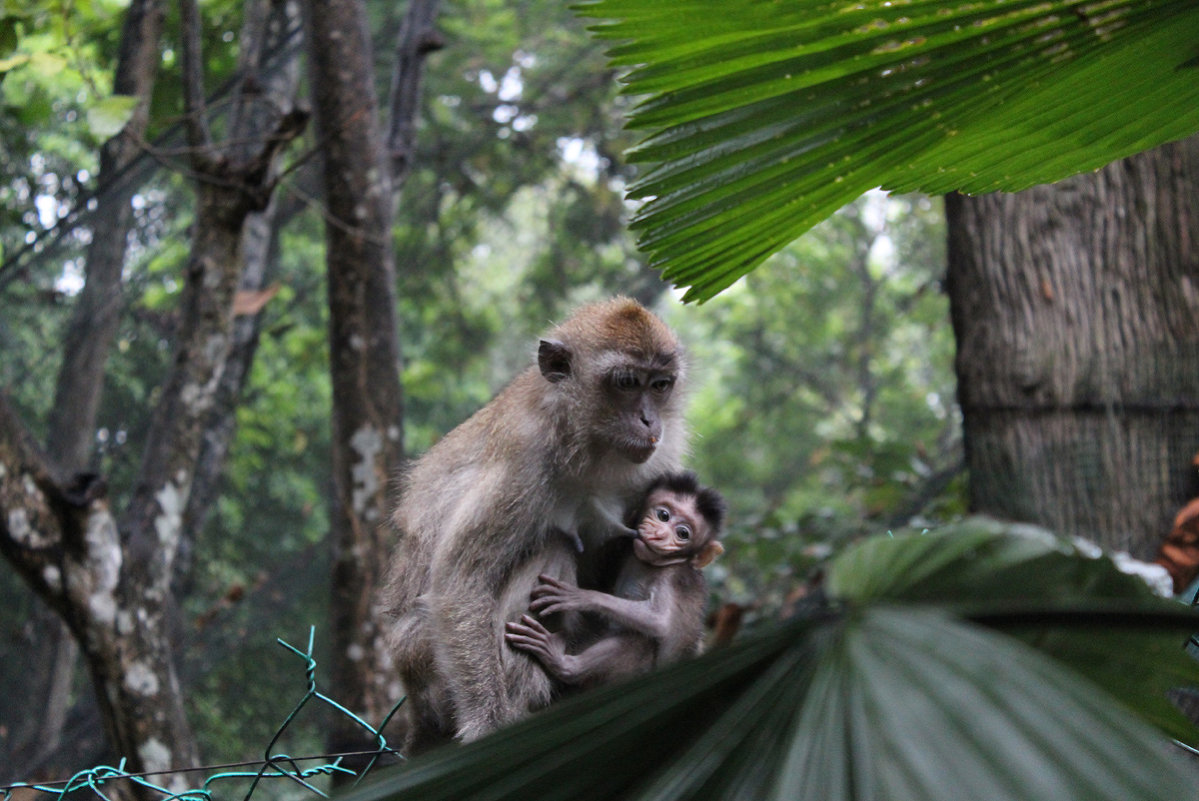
(672, 530)
(637, 396)
(615, 367)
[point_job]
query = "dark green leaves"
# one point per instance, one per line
(872, 699)
(1063, 598)
(764, 118)
(982, 561)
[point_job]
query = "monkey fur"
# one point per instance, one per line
(654, 613)
(565, 446)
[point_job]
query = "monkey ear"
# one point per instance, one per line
(553, 357)
(708, 553)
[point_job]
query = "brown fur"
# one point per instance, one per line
(477, 511)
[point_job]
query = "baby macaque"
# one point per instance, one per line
(655, 612)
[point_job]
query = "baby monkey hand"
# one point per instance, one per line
(551, 595)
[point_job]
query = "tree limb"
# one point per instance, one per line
(96, 313)
(195, 111)
(417, 38)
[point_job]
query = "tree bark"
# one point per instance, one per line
(88, 339)
(112, 582)
(268, 25)
(97, 311)
(418, 37)
(1076, 313)
(363, 352)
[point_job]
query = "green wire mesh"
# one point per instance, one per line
(273, 766)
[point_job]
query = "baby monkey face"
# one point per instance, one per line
(672, 529)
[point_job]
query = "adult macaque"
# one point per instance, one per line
(569, 443)
(656, 610)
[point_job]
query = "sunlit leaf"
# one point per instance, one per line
(107, 116)
(764, 118)
(47, 64)
(980, 559)
(7, 64)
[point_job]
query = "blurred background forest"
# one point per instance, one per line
(823, 403)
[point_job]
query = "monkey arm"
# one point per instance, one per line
(612, 657)
(608, 658)
(466, 584)
(472, 673)
(652, 617)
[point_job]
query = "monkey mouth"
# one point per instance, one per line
(643, 551)
(652, 556)
(638, 451)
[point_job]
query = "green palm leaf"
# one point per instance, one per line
(869, 699)
(765, 117)
(883, 703)
(1065, 600)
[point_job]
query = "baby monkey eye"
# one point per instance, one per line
(627, 381)
(662, 513)
(683, 533)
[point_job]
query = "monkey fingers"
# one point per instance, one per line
(553, 582)
(530, 625)
(547, 600)
(552, 595)
(549, 605)
(530, 635)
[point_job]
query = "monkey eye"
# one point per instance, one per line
(662, 513)
(626, 381)
(683, 533)
(662, 384)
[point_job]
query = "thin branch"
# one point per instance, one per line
(196, 116)
(417, 38)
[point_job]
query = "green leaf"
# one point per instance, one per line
(1066, 600)
(764, 118)
(981, 559)
(106, 117)
(13, 62)
(881, 703)
(8, 38)
(47, 64)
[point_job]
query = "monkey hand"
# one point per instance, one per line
(551, 595)
(549, 649)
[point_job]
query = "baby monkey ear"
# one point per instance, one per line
(707, 554)
(553, 359)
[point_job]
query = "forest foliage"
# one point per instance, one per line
(823, 403)
(823, 407)
(761, 120)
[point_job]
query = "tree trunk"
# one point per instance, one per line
(112, 583)
(363, 353)
(1076, 313)
(267, 27)
(89, 335)
(97, 311)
